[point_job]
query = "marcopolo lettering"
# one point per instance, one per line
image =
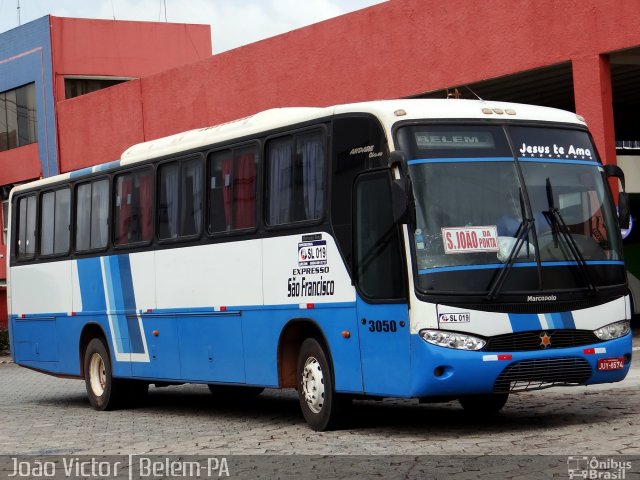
(541, 298)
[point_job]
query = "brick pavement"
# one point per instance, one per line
(42, 415)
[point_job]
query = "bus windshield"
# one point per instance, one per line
(480, 202)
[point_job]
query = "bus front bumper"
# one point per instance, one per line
(441, 371)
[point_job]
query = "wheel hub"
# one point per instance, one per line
(313, 384)
(97, 374)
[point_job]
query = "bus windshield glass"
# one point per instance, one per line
(481, 204)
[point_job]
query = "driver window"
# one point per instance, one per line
(377, 240)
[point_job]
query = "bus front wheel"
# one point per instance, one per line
(487, 404)
(318, 400)
(103, 390)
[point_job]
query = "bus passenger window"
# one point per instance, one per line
(27, 227)
(296, 169)
(180, 199)
(133, 194)
(55, 213)
(92, 215)
(232, 189)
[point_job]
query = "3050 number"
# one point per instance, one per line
(384, 326)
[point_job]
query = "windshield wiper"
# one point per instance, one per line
(558, 225)
(522, 233)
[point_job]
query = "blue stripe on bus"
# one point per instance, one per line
(426, 271)
(98, 168)
(523, 322)
(560, 160)
(588, 262)
(566, 319)
(456, 268)
(110, 277)
(120, 287)
(560, 320)
(129, 303)
(91, 286)
(419, 161)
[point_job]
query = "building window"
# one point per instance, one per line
(55, 221)
(18, 118)
(133, 202)
(92, 215)
(296, 178)
(74, 87)
(232, 189)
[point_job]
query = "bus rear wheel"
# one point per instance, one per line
(319, 403)
(486, 404)
(103, 390)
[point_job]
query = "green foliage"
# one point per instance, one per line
(4, 342)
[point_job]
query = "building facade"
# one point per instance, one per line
(53, 60)
(580, 55)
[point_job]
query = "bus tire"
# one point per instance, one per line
(486, 404)
(319, 403)
(103, 390)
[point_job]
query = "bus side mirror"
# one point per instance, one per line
(624, 214)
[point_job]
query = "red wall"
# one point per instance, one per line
(395, 49)
(93, 128)
(20, 164)
(123, 48)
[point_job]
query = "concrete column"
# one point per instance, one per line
(594, 101)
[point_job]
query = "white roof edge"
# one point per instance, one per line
(281, 117)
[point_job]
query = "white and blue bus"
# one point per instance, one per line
(427, 249)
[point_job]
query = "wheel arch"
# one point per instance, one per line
(90, 331)
(293, 334)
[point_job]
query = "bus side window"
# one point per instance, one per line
(26, 238)
(180, 199)
(379, 263)
(55, 219)
(133, 201)
(232, 189)
(296, 168)
(92, 215)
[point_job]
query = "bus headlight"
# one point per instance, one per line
(461, 341)
(613, 330)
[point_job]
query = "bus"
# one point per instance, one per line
(435, 250)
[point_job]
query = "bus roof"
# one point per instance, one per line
(388, 111)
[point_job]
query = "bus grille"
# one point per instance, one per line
(542, 373)
(525, 341)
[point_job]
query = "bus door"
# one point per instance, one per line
(383, 316)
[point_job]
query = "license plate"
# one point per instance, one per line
(611, 363)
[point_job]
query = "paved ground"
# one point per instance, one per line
(45, 415)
